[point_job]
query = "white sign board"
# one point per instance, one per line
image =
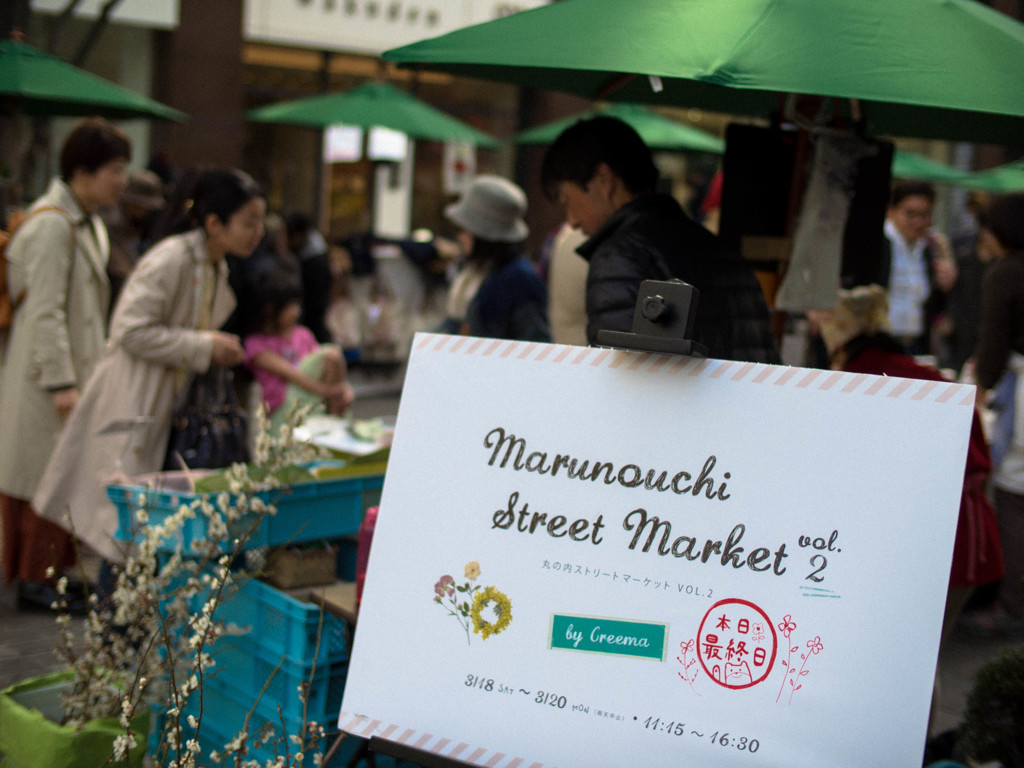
(367, 26)
(588, 557)
(159, 14)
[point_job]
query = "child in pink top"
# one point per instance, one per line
(285, 357)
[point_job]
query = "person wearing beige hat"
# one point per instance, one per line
(858, 336)
(498, 293)
(128, 224)
(861, 316)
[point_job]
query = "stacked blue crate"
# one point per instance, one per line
(324, 509)
(292, 644)
(258, 675)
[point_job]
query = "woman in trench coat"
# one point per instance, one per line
(164, 327)
(57, 274)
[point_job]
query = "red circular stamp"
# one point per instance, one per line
(736, 643)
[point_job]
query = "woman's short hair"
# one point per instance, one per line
(92, 143)
(1004, 218)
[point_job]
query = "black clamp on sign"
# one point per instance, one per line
(662, 321)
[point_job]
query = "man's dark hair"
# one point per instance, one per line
(579, 149)
(92, 144)
(901, 190)
(1005, 219)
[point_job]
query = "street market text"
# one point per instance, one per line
(659, 539)
(728, 552)
(649, 533)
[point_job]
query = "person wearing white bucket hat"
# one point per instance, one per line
(498, 292)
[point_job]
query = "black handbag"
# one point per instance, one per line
(209, 428)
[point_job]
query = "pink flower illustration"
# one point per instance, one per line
(445, 586)
(793, 675)
(757, 632)
(687, 664)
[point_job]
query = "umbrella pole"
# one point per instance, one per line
(321, 178)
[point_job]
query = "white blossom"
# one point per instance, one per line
(123, 743)
(236, 743)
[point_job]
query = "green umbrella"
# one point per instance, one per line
(46, 85)
(910, 165)
(1004, 178)
(657, 131)
(926, 68)
(373, 105)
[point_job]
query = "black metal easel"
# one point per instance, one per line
(662, 322)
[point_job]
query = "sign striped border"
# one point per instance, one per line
(749, 373)
(363, 727)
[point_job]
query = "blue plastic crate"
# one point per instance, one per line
(322, 509)
(224, 713)
(247, 668)
(284, 627)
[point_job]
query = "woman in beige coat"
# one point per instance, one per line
(163, 328)
(57, 275)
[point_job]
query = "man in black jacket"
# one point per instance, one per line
(603, 175)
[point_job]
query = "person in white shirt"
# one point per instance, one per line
(919, 271)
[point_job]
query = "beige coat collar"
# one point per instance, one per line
(223, 298)
(90, 231)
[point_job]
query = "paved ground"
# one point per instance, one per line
(27, 639)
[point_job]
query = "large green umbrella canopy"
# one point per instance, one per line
(910, 165)
(47, 85)
(1004, 178)
(657, 131)
(925, 68)
(373, 105)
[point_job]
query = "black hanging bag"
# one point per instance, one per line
(209, 429)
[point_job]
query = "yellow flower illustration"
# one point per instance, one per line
(502, 608)
(472, 570)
